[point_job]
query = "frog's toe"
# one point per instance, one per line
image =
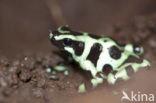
(146, 63)
(111, 79)
(96, 81)
(82, 88)
(66, 73)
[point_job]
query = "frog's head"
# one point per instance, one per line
(134, 49)
(66, 39)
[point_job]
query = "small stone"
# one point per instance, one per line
(39, 57)
(28, 62)
(41, 82)
(7, 92)
(25, 75)
(3, 82)
(38, 92)
(13, 69)
(4, 61)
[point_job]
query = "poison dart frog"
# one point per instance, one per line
(101, 56)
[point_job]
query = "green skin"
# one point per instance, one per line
(104, 57)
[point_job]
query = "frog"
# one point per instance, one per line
(102, 56)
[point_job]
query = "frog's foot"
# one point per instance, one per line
(61, 67)
(81, 88)
(123, 72)
(52, 72)
(96, 81)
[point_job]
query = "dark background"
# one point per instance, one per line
(24, 23)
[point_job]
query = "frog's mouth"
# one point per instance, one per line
(57, 43)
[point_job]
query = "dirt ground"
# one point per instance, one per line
(23, 78)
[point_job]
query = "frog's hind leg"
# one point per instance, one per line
(94, 81)
(97, 78)
(123, 73)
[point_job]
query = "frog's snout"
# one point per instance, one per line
(51, 35)
(52, 39)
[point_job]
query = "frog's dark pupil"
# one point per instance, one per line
(136, 49)
(67, 42)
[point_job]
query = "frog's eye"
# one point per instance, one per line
(65, 28)
(137, 49)
(67, 42)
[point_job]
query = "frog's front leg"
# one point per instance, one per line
(60, 67)
(122, 73)
(95, 78)
(94, 82)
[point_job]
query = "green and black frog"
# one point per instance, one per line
(101, 56)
